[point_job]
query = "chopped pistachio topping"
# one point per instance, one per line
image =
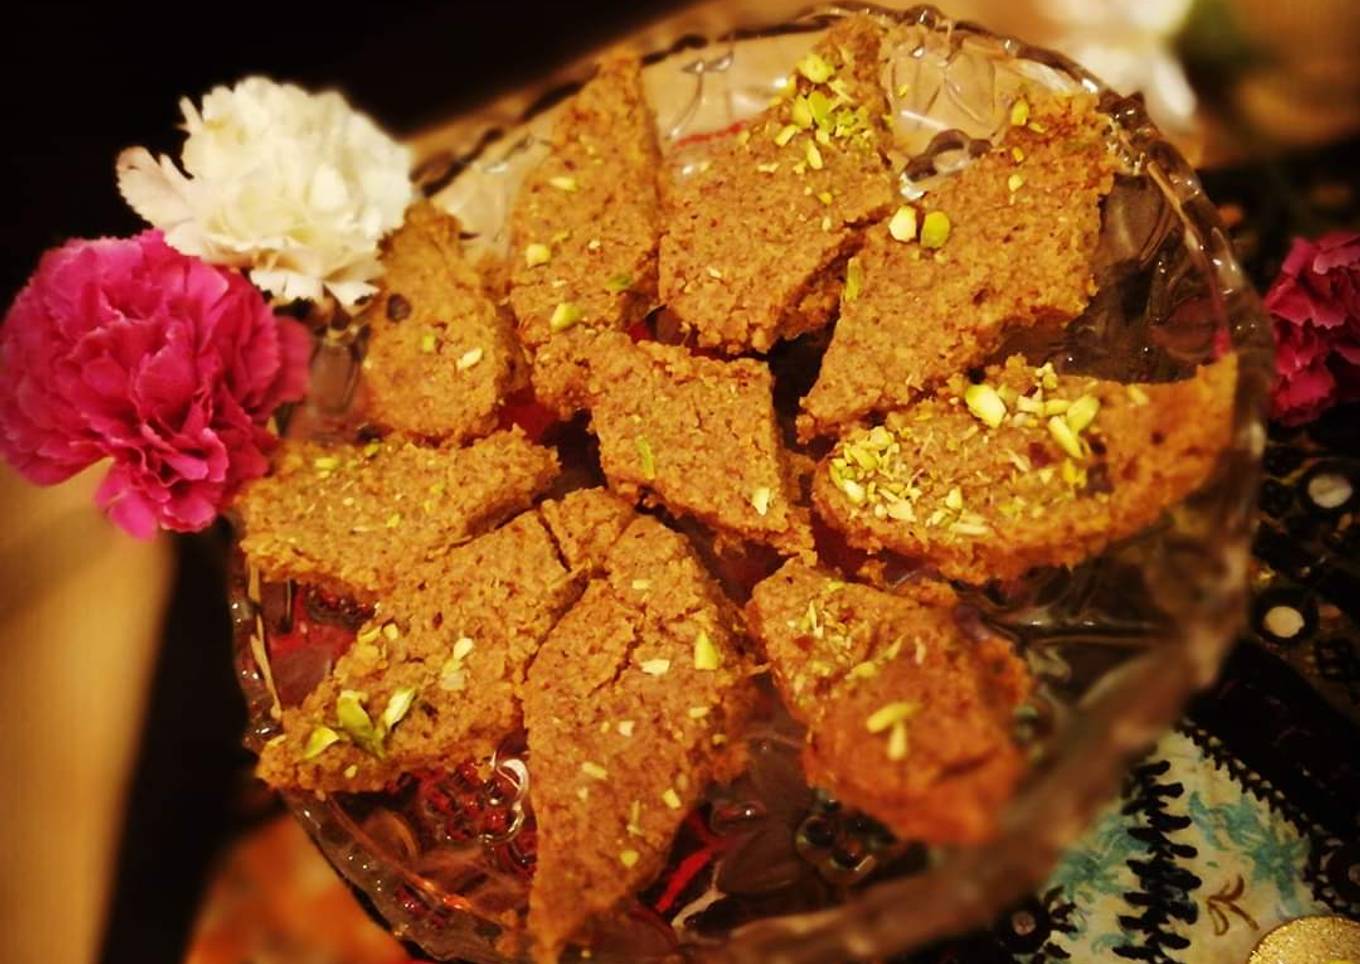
(815, 68)
(897, 741)
(625, 727)
(368, 634)
(326, 463)
(564, 316)
(394, 520)
(656, 667)
(1067, 439)
(619, 283)
(891, 714)
(463, 648)
(594, 771)
(903, 224)
(469, 358)
(760, 500)
(801, 113)
(537, 254)
(1082, 412)
(935, 230)
(317, 742)
(814, 156)
(698, 712)
(1138, 396)
(786, 134)
(1017, 154)
(428, 342)
(354, 720)
(986, 404)
(671, 799)
(865, 670)
(768, 168)
(854, 279)
(391, 631)
(564, 182)
(706, 655)
(398, 705)
(954, 500)
(646, 457)
(1020, 113)
(1014, 183)
(629, 858)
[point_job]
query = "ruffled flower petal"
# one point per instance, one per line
(168, 367)
(1316, 306)
(297, 188)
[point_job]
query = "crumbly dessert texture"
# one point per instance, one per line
(907, 718)
(1028, 468)
(586, 524)
(635, 704)
(354, 516)
(584, 228)
(1010, 246)
(598, 630)
(754, 235)
(437, 675)
(699, 436)
(441, 358)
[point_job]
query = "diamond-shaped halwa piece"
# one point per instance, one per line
(1026, 469)
(633, 707)
(1005, 244)
(436, 676)
(699, 436)
(752, 233)
(354, 516)
(584, 227)
(908, 718)
(441, 358)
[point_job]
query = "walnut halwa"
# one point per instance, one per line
(583, 232)
(756, 234)
(440, 357)
(1026, 468)
(354, 516)
(577, 594)
(1007, 243)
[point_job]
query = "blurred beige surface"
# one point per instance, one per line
(80, 615)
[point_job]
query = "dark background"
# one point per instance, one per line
(78, 83)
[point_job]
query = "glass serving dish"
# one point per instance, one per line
(770, 869)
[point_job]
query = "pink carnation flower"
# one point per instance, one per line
(129, 350)
(1316, 304)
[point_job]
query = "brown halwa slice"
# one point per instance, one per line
(907, 719)
(1006, 244)
(634, 706)
(585, 524)
(752, 239)
(435, 677)
(1027, 469)
(699, 436)
(354, 516)
(440, 357)
(584, 227)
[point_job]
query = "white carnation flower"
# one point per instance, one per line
(298, 188)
